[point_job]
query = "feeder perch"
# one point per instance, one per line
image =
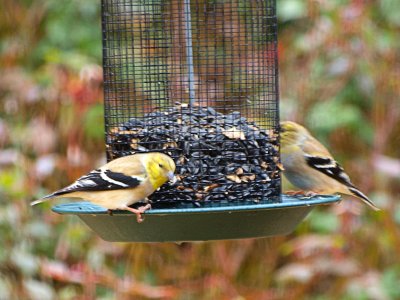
(197, 80)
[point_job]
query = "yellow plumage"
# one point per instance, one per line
(309, 165)
(121, 182)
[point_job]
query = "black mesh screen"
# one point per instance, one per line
(196, 80)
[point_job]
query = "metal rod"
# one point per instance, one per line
(189, 51)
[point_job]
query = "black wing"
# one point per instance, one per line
(100, 180)
(329, 167)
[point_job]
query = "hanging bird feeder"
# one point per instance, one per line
(197, 80)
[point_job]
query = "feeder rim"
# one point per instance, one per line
(77, 208)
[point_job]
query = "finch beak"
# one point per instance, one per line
(171, 177)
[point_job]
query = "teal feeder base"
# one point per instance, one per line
(211, 222)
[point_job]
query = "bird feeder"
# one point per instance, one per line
(197, 80)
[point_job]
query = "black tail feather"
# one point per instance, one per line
(363, 197)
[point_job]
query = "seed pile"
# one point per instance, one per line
(218, 157)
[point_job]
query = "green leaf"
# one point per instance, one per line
(324, 115)
(67, 293)
(288, 10)
(323, 221)
(390, 282)
(38, 290)
(94, 122)
(391, 10)
(25, 261)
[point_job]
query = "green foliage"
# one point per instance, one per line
(93, 122)
(323, 221)
(390, 10)
(390, 282)
(289, 10)
(323, 116)
(71, 34)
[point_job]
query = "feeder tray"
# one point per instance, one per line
(213, 221)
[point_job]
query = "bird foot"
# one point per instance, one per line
(302, 193)
(294, 193)
(311, 193)
(138, 211)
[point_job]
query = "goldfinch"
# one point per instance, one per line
(309, 166)
(121, 182)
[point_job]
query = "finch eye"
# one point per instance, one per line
(161, 166)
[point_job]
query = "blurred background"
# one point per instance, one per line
(339, 75)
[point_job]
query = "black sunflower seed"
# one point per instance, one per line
(204, 156)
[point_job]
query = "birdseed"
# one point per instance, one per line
(219, 157)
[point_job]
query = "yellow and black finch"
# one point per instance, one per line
(121, 182)
(309, 166)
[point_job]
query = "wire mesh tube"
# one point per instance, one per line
(197, 80)
(189, 51)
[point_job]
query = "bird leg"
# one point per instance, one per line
(138, 211)
(302, 193)
(311, 194)
(294, 193)
(147, 200)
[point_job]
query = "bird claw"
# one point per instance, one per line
(138, 211)
(302, 193)
(295, 193)
(310, 194)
